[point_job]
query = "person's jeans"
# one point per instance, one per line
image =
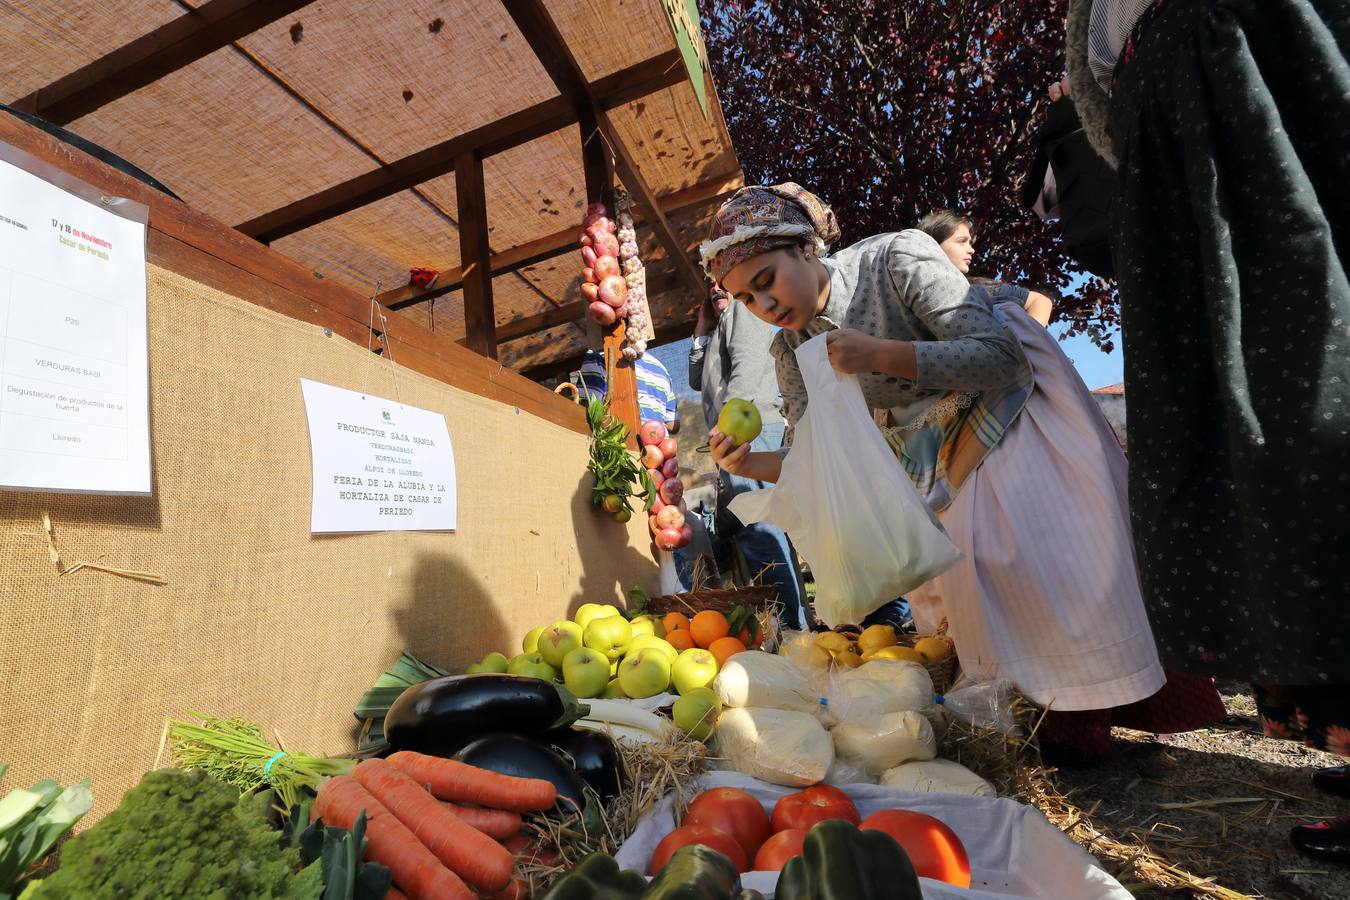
(762, 544)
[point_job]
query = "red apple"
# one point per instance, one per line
(658, 477)
(670, 517)
(652, 431)
(652, 459)
(657, 503)
(669, 448)
(671, 467)
(668, 539)
(672, 490)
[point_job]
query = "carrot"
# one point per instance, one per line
(466, 851)
(515, 843)
(415, 868)
(451, 780)
(518, 889)
(495, 823)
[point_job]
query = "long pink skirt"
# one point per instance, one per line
(1047, 594)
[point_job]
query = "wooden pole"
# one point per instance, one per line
(480, 322)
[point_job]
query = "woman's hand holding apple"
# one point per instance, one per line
(738, 460)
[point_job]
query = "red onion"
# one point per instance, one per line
(602, 313)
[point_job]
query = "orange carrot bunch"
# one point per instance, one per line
(436, 850)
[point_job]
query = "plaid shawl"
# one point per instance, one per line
(940, 455)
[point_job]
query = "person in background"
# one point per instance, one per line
(955, 234)
(656, 397)
(1046, 594)
(1226, 123)
(729, 357)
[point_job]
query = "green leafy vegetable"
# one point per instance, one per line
(374, 703)
(32, 820)
(616, 470)
(338, 854)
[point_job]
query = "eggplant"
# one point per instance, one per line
(440, 716)
(593, 755)
(528, 757)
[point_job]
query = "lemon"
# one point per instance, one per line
(934, 649)
(874, 637)
(848, 659)
(819, 657)
(904, 654)
(832, 641)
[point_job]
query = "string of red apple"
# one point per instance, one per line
(666, 518)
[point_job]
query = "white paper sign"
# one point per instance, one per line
(378, 465)
(74, 378)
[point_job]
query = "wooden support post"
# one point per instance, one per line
(620, 375)
(480, 322)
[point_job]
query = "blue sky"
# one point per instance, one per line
(1096, 368)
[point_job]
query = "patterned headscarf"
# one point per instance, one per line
(761, 218)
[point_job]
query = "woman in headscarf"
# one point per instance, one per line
(1046, 594)
(1226, 121)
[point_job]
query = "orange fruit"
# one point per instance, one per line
(681, 639)
(708, 626)
(675, 622)
(744, 638)
(725, 648)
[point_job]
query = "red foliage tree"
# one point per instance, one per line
(890, 109)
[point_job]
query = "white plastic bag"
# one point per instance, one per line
(885, 742)
(937, 776)
(846, 502)
(756, 678)
(777, 745)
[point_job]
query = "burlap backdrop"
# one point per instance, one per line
(259, 619)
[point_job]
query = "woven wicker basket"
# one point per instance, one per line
(760, 597)
(943, 673)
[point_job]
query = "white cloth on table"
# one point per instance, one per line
(1047, 594)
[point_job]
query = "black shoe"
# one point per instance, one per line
(1324, 840)
(1335, 780)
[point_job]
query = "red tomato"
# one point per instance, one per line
(778, 849)
(735, 812)
(815, 804)
(933, 848)
(696, 834)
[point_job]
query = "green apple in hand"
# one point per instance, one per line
(695, 668)
(740, 421)
(644, 674)
(532, 665)
(586, 672)
(558, 640)
(610, 635)
(696, 712)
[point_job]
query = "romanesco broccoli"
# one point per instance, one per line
(184, 835)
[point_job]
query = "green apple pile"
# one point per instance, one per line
(601, 653)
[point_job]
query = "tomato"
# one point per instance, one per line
(735, 812)
(815, 804)
(934, 848)
(696, 834)
(778, 849)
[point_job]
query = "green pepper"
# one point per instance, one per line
(840, 862)
(696, 872)
(598, 877)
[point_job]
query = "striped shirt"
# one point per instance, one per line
(1109, 28)
(656, 398)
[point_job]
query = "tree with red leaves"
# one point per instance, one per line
(890, 109)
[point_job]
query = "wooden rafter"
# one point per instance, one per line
(548, 44)
(168, 48)
(571, 363)
(521, 127)
(480, 322)
(552, 245)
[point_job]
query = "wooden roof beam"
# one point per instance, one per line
(548, 44)
(451, 279)
(571, 363)
(521, 127)
(188, 38)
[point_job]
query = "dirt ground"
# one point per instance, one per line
(1219, 803)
